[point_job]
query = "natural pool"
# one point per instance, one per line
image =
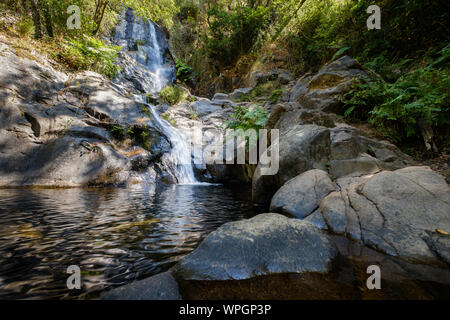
(114, 235)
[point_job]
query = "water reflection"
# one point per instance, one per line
(114, 235)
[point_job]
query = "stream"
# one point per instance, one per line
(115, 235)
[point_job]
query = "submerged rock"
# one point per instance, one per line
(159, 287)
(266, 244)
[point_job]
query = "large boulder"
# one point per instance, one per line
(55, 129)
(159, 287)
(239, 93)
(403, 213)
(266, 244)
(203, 107)
(300, 149)
(301, 195)
(341, 150)
(319, 91)
(62, 162)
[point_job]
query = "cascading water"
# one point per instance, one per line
(180, 154)
(152, 70)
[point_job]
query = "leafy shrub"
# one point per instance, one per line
(253, 117)
(171, 94)
(89, 53)
(324, 26)
(395, 108)
(184, 72)
(118, 132)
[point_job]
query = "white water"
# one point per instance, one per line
(180, 154)
(161, 73)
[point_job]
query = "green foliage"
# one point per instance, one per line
(169, 119)
(184, 72)
(395, 108)
(171, 94)
(117, 131)
(340, 52)
(88, 53)
(270, 89)
(324, 26)
(275, 95)
(253, 117)
(233, 32)
(25, 25)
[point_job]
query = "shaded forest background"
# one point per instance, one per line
(217, 41)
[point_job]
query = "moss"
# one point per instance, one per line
(172, 94)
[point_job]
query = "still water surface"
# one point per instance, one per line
(114, 235)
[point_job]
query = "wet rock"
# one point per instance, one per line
(266, 244)
(136, 37)
(160, 287)
(301, 195)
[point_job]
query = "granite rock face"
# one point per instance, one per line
(266, 244)
(301, 195)
(403, 213)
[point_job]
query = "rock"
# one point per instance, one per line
(31, 80)
(301, 195)
(159, 287)
(284, 77)
(204, 107)
(136, 57)
(106, 101)
(239, 93)
(314, 139)
(300, 88)
(266, 244)
(62, 162)
(319, 92)
(300, 149)
(258, 77)
(221, 96)
(348, 142)
(362, 164)
(395, 212)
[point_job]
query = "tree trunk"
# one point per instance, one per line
(36, 19)
(427, 134)
(99, 13)
(47, 17)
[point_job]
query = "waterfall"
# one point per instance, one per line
(147, 45)
(180, 154)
